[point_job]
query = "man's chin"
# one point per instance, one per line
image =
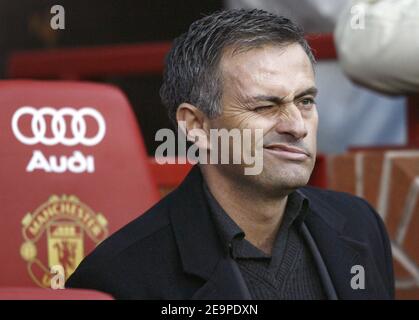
(288, 179)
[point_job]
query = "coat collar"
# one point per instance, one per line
(200, 249)
(340, 252)
(193, 227)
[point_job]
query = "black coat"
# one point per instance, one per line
(173, 251)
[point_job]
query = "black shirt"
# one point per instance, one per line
(290, 272)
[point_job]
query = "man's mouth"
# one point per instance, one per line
(287, 152)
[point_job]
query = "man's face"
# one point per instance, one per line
(273, 89)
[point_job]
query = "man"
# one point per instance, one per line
(227, 235)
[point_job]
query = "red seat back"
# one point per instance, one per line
(73, 169)
(14, 293)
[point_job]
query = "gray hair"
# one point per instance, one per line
(191, 72)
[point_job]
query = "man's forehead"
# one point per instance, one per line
(266, 58)
(267, 63)
(267, 69)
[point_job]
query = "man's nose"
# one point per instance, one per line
(291, 122)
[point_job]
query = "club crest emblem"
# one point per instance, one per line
(59, 232)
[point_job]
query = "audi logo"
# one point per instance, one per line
(59, 126)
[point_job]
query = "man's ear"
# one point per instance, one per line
(191, 115)
(194, 124)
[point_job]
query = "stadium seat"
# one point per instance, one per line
(73, 170)
(388, 178)
(14, 293)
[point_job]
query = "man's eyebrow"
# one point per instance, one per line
(262, 97)
(312, 90)
(275, 99)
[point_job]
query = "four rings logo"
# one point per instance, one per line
(57, 131)
(58, 126)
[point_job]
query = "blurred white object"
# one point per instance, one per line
(311, 15)
(378, 44)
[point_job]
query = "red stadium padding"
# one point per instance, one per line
(100, 61)
(89, 62)
(13, 293)
(73, 169)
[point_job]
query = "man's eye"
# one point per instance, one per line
(263, 108)
(307, 102)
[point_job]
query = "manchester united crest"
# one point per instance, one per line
(59, 232)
